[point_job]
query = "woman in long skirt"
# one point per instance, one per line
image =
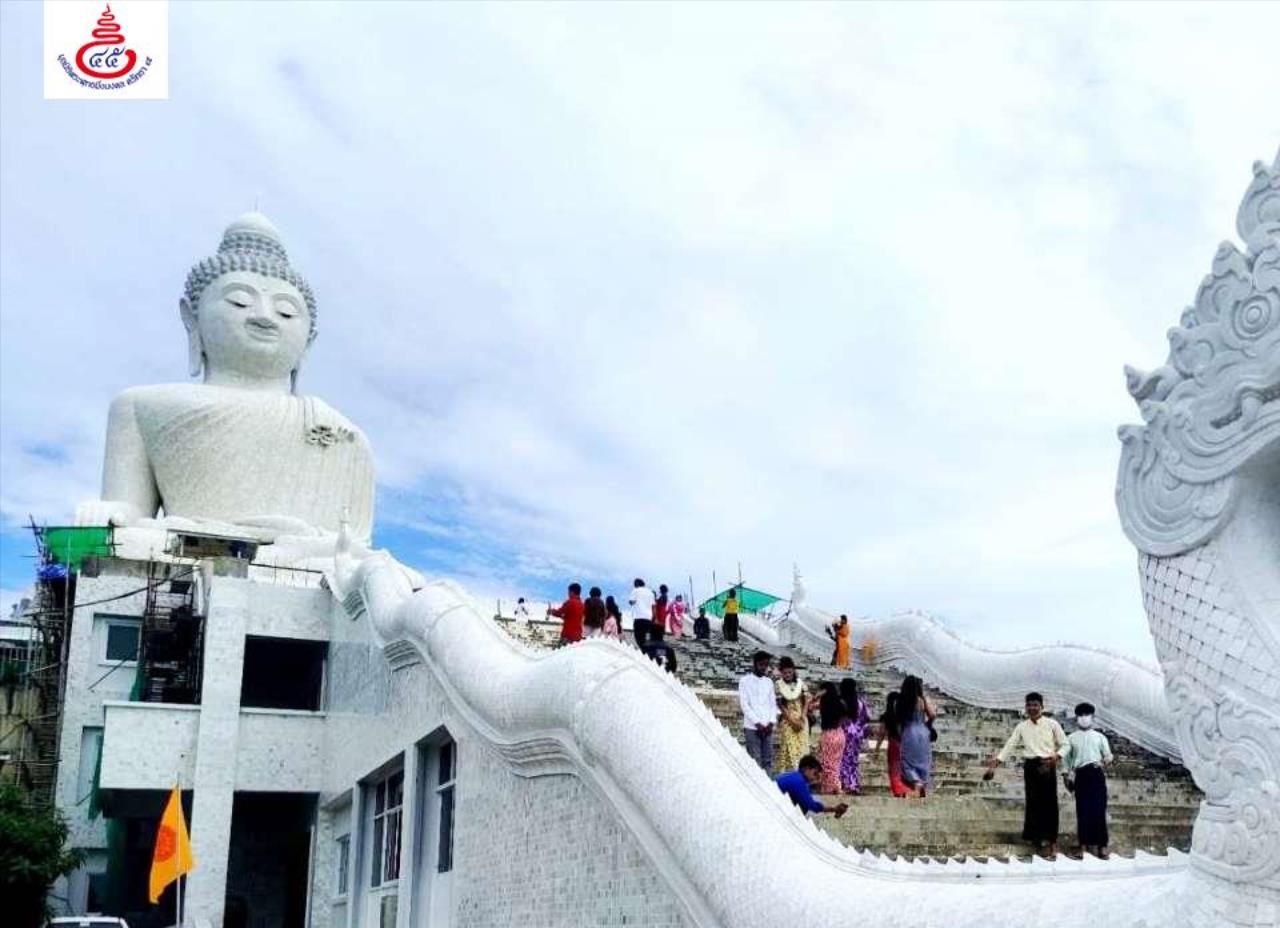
(915, 716)
(1086, 754)
(840, 632)
(675, 617)
(889, 731)
(831, 713)
(793, 726)
(855, 732)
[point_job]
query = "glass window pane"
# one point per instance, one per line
(391, 865)
(446, 762)
(344, 860)
(444, 856)
(380, 798)
(395, 790)
(375, 859)
(122, 642)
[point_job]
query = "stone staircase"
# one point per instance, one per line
(1152, 800)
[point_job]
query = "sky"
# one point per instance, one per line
(649, 290)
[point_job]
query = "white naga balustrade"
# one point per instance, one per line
(1129, 694)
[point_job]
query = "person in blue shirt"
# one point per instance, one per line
(799, 784)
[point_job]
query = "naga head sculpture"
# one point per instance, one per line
(1215, 404)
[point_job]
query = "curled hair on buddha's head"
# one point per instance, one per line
(251, 243)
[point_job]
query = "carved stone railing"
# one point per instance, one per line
(727, 843)
(1128, 694)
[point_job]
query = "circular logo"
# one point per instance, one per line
(166, 842)
(106, 57)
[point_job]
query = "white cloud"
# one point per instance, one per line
(621, 289)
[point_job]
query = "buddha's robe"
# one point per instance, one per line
(241, 456)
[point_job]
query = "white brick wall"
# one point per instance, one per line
(546, 852)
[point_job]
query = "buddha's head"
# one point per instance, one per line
(248, 314)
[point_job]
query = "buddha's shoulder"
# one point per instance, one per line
(132, 399)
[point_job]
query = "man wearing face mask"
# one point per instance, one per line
(1036, 741)
(1086, 753)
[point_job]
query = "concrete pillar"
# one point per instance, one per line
(411, 840)
(216, 751)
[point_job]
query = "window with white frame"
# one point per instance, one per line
(388, 803)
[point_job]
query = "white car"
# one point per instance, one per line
(87, 921)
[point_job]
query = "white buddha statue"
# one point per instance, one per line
(241, 447)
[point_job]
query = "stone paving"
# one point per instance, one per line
(1152, 800)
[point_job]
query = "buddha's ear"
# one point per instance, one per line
(293, 378)
(195, 347)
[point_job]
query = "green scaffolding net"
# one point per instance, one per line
(70, 545)
(749, 600)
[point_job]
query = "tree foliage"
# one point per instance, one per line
(32, 856)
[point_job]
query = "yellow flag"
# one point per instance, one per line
(172, 856)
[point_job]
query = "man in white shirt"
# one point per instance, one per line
(759, 704)
(1085, 755)
(641, 612)
(1036, 742)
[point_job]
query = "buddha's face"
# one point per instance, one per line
(252, 325)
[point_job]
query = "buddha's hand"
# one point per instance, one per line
(106, 512)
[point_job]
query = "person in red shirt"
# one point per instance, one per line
(571, 611)
(659, 628)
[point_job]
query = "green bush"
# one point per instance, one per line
(32, 856)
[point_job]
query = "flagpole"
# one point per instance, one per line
(177, 785)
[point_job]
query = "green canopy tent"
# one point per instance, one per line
(749, 600)
(70, 545)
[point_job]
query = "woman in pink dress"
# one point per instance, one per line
(675, 617)
(831, 715)
(612, 619)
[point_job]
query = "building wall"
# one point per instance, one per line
(19, 703)
(546, 851)
(529, 851)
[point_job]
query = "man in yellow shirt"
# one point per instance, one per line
(1036, 741)
(730, 626)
